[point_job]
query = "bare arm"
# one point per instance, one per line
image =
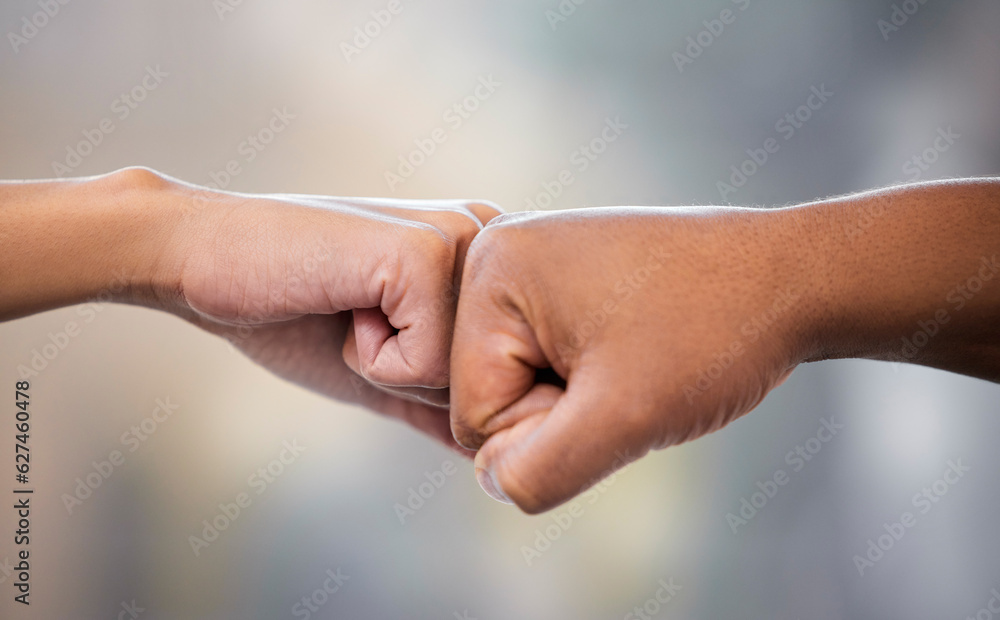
(353, 298)
(669, 323)
(915, 274)
(66, 241)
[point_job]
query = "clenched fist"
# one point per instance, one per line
(353, 298)
(631, 309)
(586, 338)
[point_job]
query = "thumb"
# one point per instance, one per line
(539, 445)
(559, 446)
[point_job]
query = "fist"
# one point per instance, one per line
(586, 338)
(353, 298)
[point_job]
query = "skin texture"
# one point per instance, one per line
(663, 325)
(352, 298)
(582, 339)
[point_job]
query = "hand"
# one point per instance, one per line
(664, 324)
(352, 298)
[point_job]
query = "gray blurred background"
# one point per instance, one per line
(224, 66)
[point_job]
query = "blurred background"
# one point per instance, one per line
(356, 88)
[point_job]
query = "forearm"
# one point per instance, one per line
(66, 241)
(905, 274)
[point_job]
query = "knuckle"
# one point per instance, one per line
(488, 250)
(456, 223)
(477, 258)
(436, 246)
(489, 204)
(490, 238)
(508, 220)
(480, 208)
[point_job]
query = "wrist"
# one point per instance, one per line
(144, 213)
(794, 273)
(884, 273)
(65, 242)
(807, 251)
(843, 313)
